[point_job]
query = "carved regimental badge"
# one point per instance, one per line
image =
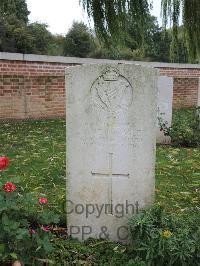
(111, 91)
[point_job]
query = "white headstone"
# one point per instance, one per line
(198, 101)
(165, 100)
(111, 137)
(198, 98)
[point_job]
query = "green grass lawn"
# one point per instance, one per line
(37, 153)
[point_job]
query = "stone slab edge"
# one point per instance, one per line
(80, 61)
(198, 100)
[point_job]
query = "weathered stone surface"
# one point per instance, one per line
(198, 100)
(165, 100)
(111, 137)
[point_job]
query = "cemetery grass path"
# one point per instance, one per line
(37, 153)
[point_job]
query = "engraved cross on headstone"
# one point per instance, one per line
(110, 175)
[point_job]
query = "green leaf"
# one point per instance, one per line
(5, 219)
(2, 248)
(14, 256)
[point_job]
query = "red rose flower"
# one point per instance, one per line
(4, 162)
(43, 201)
(9, 187)
(46, 228)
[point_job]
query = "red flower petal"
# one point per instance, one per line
(4, 162)
(9, 187)
(43, 201)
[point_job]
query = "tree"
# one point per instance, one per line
(3, 43)
(190, 10)
(19, 36)
(155, 48)
(41, 37)
(17, 8)
(110, 19)
(15, 36)
(14, 33)
(56, 46)
(160, 50)
(78, 41)
(145, 42)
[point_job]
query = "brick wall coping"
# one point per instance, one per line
(77, 60)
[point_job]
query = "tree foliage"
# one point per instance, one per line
(17, 8)
(189, 12)
(110, 16)
(41, 37)
(155, 48)
(17, 35)
(111, 20)
(14, 36)
(78, 41)
(126, 26)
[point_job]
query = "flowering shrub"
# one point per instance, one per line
(160, 238)
(26, 222)
(185, 129)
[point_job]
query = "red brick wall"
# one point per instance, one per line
(31, 89)
(37, 89)
(185, 93)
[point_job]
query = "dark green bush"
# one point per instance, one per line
(185, 129)
(167, 239)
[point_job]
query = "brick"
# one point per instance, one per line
(42, 86)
